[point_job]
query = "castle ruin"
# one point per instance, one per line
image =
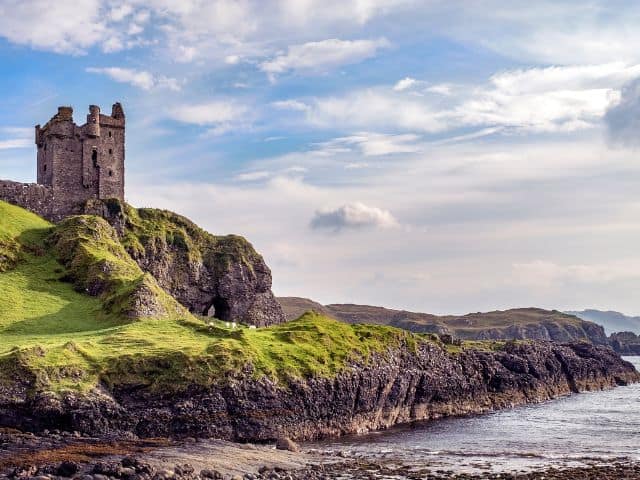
(75, 164)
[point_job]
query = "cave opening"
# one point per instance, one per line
(219, 308)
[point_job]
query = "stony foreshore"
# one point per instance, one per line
(65, 455)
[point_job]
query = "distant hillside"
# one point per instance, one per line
(611, 321)
(521, 323)
(295, 307)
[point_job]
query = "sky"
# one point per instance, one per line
(437, 156)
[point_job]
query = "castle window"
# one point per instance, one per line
(110, 152)
(111, 173)
(94, 157)
(109, 133)
(45, 147)
(44, 168)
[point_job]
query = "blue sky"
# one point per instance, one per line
(437, 156)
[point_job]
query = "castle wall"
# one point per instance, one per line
(111, 159)
(67, 170)
(36, 198)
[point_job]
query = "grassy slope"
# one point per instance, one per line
(71, 340)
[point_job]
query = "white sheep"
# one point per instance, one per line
(227, 324)
(252, 327)
(234, 325)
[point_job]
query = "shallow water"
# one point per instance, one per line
(579, 429)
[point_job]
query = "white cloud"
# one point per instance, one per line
(232, 59)
(64, 27)
(545, 31)
(322, 56)
(19, 137)
(221, 116)
(306, 13)
(553, 99)
(137, 78)
(404, 84)
(15, 143)
(372, 144)
(253, 176)
(118, 13)
(375, 109)
(291, 105)
(352, 216)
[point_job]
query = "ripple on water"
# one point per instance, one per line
(593, 427)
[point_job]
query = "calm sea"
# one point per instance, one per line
(579, 429)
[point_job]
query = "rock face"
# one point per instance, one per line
(408, 383)
(221, 276)
(625, 343)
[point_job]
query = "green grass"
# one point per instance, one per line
(61, 338)
(33, 299)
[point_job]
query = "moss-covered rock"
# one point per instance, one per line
(221, 276)
(9, 253)
(98, 264)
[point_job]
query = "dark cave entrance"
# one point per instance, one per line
(219, 308)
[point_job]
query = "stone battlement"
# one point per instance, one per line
(74, 164)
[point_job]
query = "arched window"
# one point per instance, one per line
(111, 173)
(110, 151)
(94, 158)
(44, 167)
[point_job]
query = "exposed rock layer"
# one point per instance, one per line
(402, 386)
(221, 276)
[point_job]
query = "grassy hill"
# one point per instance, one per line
(76, 311)
(521, 323)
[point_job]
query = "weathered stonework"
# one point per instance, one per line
(75, 164)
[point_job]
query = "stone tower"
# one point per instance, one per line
(75, 164)
(83, 162)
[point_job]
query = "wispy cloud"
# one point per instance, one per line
(15, 137)
(137, 78)
(372, 144)
(220, 115)
(553, 99)
(321, 56)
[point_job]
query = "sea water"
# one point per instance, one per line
(579, 429)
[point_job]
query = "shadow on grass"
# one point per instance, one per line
(52, 305)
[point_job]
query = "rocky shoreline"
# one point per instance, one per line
(411, 383)
(67, 455)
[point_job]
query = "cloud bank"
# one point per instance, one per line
(623, 118)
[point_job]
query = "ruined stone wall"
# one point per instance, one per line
(36, 198)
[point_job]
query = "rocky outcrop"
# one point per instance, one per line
(625, 343)
(97, 264)
(221, 276)
(406, 384)
(545, 330)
